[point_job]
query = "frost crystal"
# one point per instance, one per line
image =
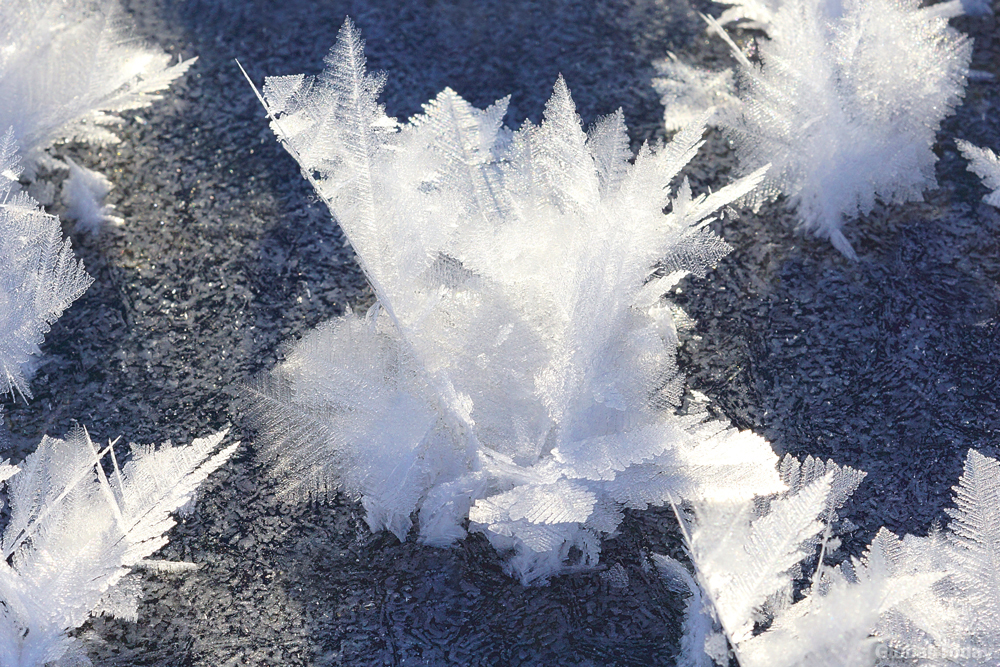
(75, 533)
(68, 68)
(985, 164)
(748, 555)
(83, 193)
(959, 620)
(845, 105)
(518, 367)
(39, 278)
(688, 92)
(936, 597)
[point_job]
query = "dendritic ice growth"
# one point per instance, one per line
(843, 101)
(39, 276)
(68, 69)
(935, 597)
(985, 164)
(76, 534)
(958, 621)
(759, 14)
(688, 93)
(747, 557)
(518, 370)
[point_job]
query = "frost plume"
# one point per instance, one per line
(75, 533)
(936, 598)
(83, 193)
(747, 557)
(519, 367)
(845, 106)
(958, 622)
(689, 92)
(39, 277)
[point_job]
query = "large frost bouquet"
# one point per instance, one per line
(519, 366)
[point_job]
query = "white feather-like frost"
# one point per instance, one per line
(519, 366)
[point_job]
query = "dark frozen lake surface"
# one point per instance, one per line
(889, 364)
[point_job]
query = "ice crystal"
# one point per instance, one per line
(985, 164)
(75, 533)
(843, 101)
(68, 69)
(747, 557)
(39, 277)
(519, 366)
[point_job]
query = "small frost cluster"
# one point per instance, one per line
(688, 93)
(937, 597)
(76, 534)
(985, 164)
(517, 366)
(68, 68)
(39, 277)
(844, 102)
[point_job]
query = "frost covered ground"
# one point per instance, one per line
(889, 365)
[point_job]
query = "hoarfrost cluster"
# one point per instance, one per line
(985, 164)
(517, 373)
(68, 69)
(843, 101)
(76, 535)
(517, 367)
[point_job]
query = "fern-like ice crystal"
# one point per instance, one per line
(519, 366)
(68, 69)
(39, 277)
(76, 532)
(985, 164)
(747, 557)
